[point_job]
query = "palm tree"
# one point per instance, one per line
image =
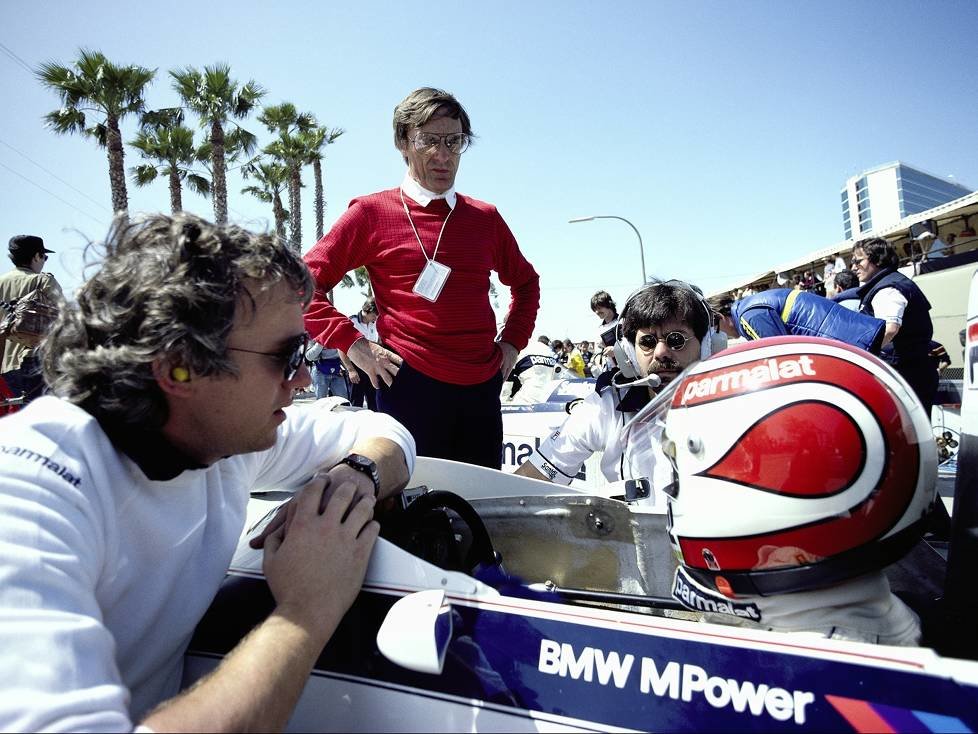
(93, 84)
(271, 178)
(316, 139)
(216, 98)
(164, 139)
(292, 149)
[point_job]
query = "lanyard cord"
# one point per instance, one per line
(418, 237)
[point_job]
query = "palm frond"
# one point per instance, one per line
(169, 117)
(258, 192)
(66, 120)
(100, 132)
(143, 175)
(199, 184)
(239, 141)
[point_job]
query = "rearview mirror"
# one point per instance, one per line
(416, 632)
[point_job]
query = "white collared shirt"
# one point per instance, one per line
(422, 196)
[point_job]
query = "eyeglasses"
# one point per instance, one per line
(675, 340)
(857, 261)
(291, 357)
(457, 143)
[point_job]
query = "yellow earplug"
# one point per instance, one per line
(180, 374)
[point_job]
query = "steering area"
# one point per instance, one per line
(442, 528)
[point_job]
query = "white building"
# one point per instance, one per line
(884, 195)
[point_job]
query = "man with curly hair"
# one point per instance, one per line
(124, 492)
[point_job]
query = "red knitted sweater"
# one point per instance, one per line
(452, 339)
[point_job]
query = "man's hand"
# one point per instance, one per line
(351, 369)
(509, 359)
(316, 568)
(335, 477)
(381, 365)
(315, 572)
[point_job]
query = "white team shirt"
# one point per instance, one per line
(106, 573)
(889, 304)
(596, 425)
(368, 330)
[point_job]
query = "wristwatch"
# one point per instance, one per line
(362, 464)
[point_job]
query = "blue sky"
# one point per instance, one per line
(724, 131)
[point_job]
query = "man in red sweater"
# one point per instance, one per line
(429, 251)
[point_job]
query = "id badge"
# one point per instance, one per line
(432, 280)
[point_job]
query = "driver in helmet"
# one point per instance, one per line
(803, 467)
(664, 327)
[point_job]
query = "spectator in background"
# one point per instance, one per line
(429, 252)
(939, 356)
(603, 306)
(808, 280)
(938, 248)
(586, 353)
(828, 270)
(844, 286)
(20, 366)
(843, 281)
(361, 391)
(891, 296)
(780, 312)
(328, 376)
(950, 239)
(559, 352)
(575, 362)
(545, 340)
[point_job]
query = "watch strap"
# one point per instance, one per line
(364, 465)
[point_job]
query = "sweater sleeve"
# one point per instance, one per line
(516, 272)
(344, 248)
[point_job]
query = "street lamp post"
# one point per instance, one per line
(641, 249)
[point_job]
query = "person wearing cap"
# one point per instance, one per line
(20, 367)
(938, 248)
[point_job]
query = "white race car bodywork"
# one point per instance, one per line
(512, 663)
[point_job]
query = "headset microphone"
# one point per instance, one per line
(651, 380)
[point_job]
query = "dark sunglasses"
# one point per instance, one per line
(675, 340)
(291, 357)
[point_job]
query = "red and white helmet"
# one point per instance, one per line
(800, 462)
